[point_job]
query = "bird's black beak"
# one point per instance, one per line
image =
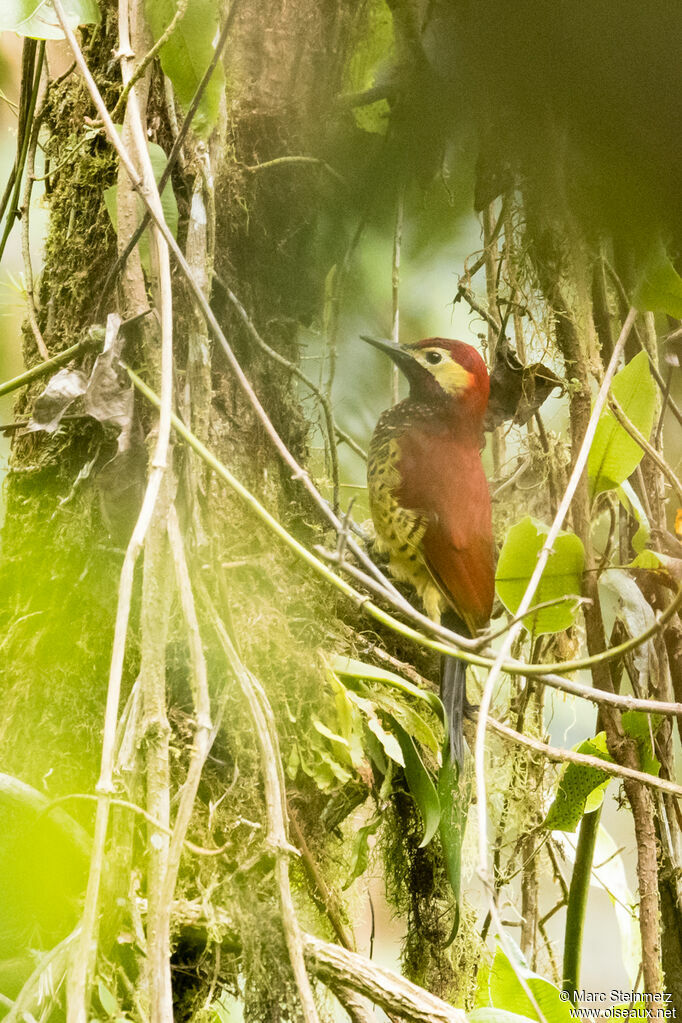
(400, 356)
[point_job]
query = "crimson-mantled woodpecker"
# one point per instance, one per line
(429, 497)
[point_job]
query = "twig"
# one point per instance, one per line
(285, 160)
(56, 961)
(11, 211)
(34, 131)
(300, 375)
(125, 804)
(328, 897)
(585, 760)
(275, 799)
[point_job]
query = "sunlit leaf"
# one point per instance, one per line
(389, 742)
(614, 455)
(660, 289)
(562, 576)
(421, 786)
(187, 54)
(360, 855)
(579, 783)
(504, 991)
(108, 1001)
(37, 19)
(352, 668)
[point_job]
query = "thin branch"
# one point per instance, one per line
(25, 208)
(300, 375)
(10, 209)
(94, 337)
(275, 800)
(125, 804)
(287, 160)
(585, 760)
(329, 899)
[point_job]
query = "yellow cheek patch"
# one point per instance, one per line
(452, 377)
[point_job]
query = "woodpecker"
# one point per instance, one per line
(429, 497)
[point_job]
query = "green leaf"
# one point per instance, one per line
(562, 576)
(168, 203)
(505, 992)
(372, 51)
(421, 786)
(187, 54)
(454, 795)
(629, 499)
(614, 455)
(661, 288)
(639, 727)
(108, 1001)
(37, 19)
(352, 668)
(579, 784)
(360, 856)
(390, 744)
(413, 723)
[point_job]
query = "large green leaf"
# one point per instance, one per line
(581, 788)
(562, 576)
(660, 289)
(37, 19)
(421, 786)
(614, 455)
(187, 54)
(501, 989)
(168, 203)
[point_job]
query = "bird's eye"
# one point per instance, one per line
(433, 358)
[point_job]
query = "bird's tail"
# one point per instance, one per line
(453, 696)
(453, 690)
